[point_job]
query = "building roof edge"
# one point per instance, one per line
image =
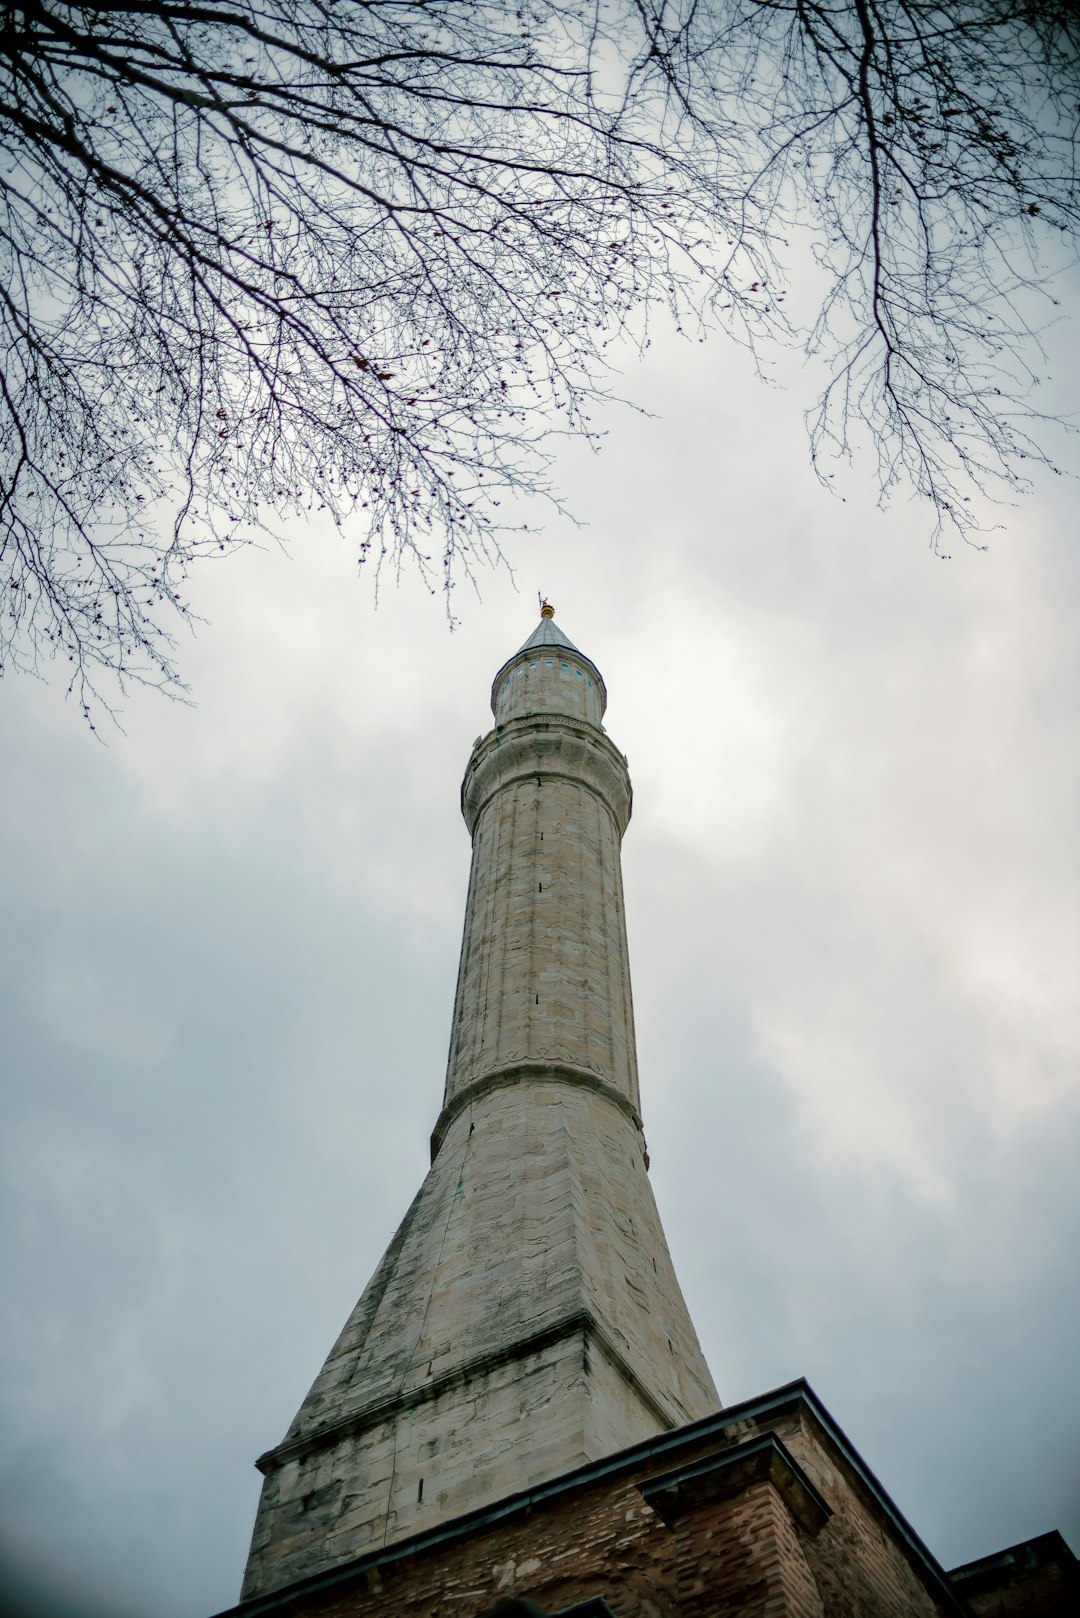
(777, 1402)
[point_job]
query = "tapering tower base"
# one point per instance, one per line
(525, 1319)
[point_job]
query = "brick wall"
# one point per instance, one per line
(791, 1538)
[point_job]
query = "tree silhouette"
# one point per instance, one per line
(366, 255)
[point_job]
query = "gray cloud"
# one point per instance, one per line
(230, 950)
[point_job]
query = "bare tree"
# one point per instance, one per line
(364, 255)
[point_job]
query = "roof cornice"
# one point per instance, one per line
(788, 1399)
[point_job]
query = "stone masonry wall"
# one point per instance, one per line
(536, 1213)
(418, 1466)
(544, 973)
(548, 680)
(741, 1555)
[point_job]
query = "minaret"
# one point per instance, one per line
(526, 1317)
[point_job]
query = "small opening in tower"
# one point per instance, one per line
(538, 999)
(420, 1491)
(539, 887)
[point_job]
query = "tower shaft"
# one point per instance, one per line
(526, 1317)
(544, 976)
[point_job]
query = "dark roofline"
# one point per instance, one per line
(1028, 1553)
(780, 1401)
(717, 1477)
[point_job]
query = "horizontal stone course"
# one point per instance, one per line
(746, 1550)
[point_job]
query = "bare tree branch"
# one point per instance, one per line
(365, 255)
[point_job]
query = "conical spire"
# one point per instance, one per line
(547, 632)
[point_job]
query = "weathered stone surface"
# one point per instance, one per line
(544, 972)
(526, 1318)
(746, 1547)
(548, 679)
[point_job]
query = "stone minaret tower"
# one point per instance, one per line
(526, 1317)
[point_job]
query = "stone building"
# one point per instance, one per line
(518, 1410)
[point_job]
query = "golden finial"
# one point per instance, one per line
(546, 610)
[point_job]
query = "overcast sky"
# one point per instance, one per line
(231, 941)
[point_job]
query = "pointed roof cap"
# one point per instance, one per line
(547, 634)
